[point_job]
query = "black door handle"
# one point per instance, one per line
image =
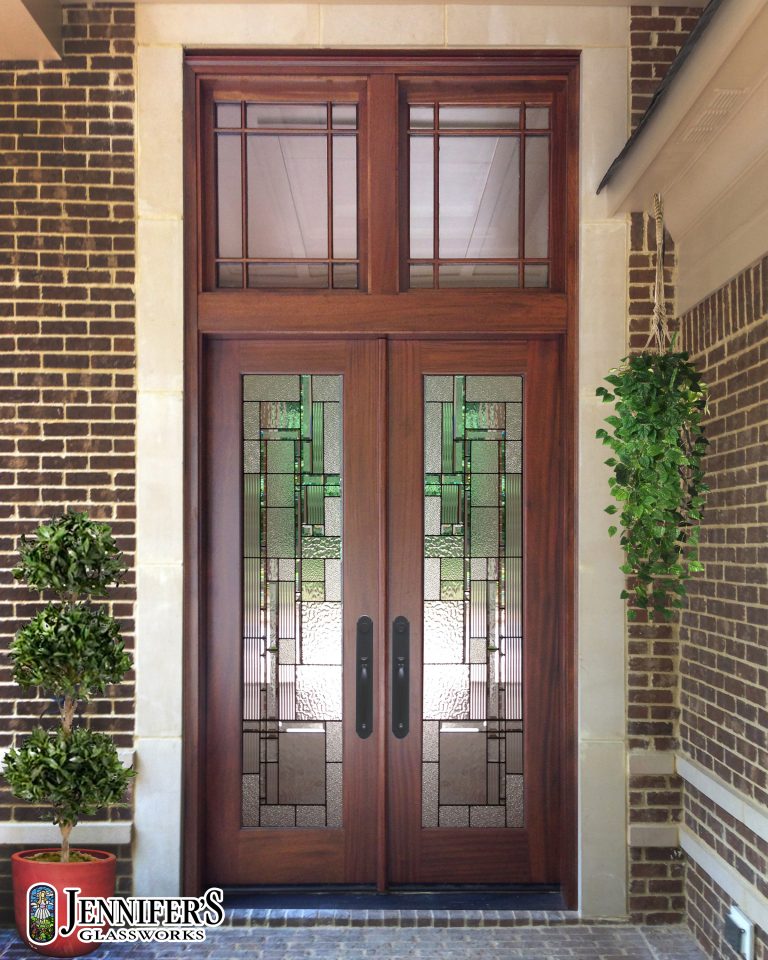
(364, 678)
(401, 632)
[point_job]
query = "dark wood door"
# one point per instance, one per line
(293, 432)
(366, 479)
(475, 566)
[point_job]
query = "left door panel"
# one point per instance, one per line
(292, 552)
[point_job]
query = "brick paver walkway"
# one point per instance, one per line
(617, 942)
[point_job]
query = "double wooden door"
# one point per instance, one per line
(383, 544)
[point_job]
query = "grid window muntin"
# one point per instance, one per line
(341, 120)
(426, 120)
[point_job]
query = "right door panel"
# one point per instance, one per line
(475, 540)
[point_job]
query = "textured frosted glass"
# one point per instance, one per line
(318, 693)
(281, 539)
(272, 388)
(443, 546)
(443, 632)
(292, 611)
(506, 389)
(472, 636)
(454, 816)
(438, 388)
(321, 633)
(429, 794)
(446, 692)
(515, 802)
(334, 779)
(321, 547)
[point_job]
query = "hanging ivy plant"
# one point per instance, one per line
(658, 444)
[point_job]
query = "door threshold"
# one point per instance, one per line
(403, 907)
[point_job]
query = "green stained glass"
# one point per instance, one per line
(473, 588)
(280, 490)
(292, 646)
(281, 456)
(443, 546)
(313, 570)
(321, 547)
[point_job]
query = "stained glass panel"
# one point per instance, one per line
(472, 773)
(292, 593)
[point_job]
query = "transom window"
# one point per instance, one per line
(297, 193)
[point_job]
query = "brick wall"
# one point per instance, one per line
(656, 875)
(656, 35)
(724, 630)
(67, 244)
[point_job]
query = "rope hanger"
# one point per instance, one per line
(659, 322)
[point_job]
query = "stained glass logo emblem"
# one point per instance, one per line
(41, 913)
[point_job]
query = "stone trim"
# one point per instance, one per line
(743, 894)
(737, 804)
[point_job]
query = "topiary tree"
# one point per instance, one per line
(73, 650)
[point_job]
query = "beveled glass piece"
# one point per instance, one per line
(474, 117)
(292, 610)
(479, 197)
(228, 115)
(421, 196)
(277, 275)
(344, 197)
(344, 116)
(287, 196)
(472, 628)
(229, 191)
(292, 115)
(537, 197)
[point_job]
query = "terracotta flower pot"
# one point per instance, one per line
(41, 905)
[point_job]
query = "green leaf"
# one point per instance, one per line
(657, 439)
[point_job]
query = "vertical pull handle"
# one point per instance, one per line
(364, 678)
(401, 632)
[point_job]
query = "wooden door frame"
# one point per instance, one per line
(503, 315)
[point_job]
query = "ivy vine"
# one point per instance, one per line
(658, 444)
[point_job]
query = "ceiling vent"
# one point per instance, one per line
(713, 116)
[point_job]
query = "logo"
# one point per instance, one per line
(120, 919)
(41, 913)
(141, 919)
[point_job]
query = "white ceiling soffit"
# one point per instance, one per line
(706, 150)
(31, 30)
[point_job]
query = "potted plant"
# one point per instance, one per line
(72, 650)
(658, 445)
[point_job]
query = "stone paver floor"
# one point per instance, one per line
(610, 942)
